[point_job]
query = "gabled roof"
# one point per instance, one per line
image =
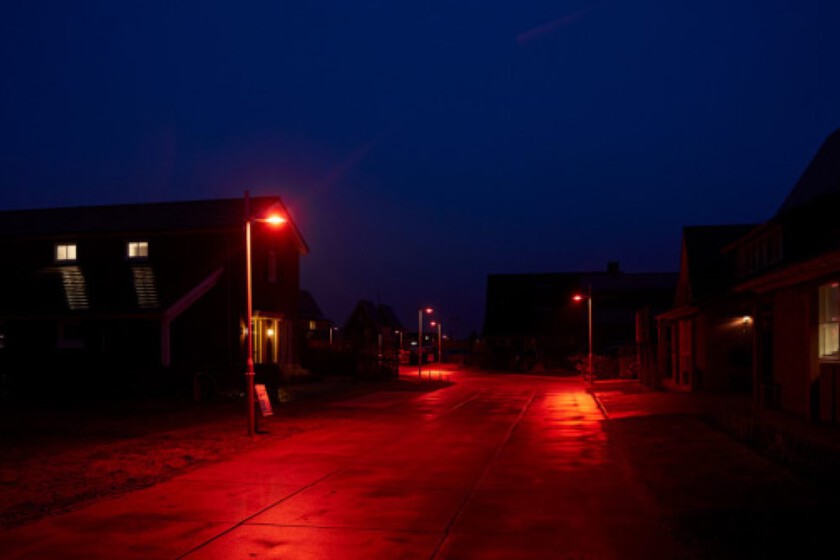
(389, 318)
(159, 216)
(820, 178)
(705, 270)
(308, 308)
(109, 287)
(380, 316)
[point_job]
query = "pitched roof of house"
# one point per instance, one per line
(183, 215)
(705, 270)
(388, 316)
(114, 287)
(308, 308)
(820, 178)
(379, 315)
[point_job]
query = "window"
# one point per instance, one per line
(829, 318)
(65, 252)
(138, 249)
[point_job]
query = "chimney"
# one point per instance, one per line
(613, 268)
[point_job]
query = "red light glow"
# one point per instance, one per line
(577, 297)
(276, 220)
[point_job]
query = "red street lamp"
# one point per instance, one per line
(420, 312)
(249, 372)
(588, 298)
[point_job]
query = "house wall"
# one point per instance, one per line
(701, 375)
(728, 353)
(793, 335)
(114, 332)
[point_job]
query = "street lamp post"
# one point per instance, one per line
(580, 297)
(440, 353)
(440, 347)
(249, 371)
(420, 338)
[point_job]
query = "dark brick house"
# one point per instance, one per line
(371, 335)
(705, 339)
(138, 294)
(789, 269)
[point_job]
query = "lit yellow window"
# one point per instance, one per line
(829, 319)
(65, 252)
(138, 249)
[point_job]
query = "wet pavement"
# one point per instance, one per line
(487, 466)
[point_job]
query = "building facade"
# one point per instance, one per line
(789, 268)
(140, 292)
(705, 339)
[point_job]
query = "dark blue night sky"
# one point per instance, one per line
(422, 146)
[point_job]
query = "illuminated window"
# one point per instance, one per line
(829, 318)
(312, 325)
(65, 252)
(138, 249)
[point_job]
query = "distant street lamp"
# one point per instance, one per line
(588, 297)
(440, 347)
(420, 312)
(249, 345)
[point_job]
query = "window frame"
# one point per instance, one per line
(66, 252)
(828, 322)
(141, 248)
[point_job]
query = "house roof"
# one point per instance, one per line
(820, 178)
(184, 215)
(388, 316)
(379, 315)
(114, 288)
(309, 308)
(705, 269)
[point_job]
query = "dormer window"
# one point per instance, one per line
(138, 249)
(65, 252)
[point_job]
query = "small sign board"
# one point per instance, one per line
(262, 397)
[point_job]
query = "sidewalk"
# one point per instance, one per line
(813, 449)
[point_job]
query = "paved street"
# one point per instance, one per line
(487, 466)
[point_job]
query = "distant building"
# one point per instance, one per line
(531, 319)
(316, 327)
(372, 335)
(126, 293)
